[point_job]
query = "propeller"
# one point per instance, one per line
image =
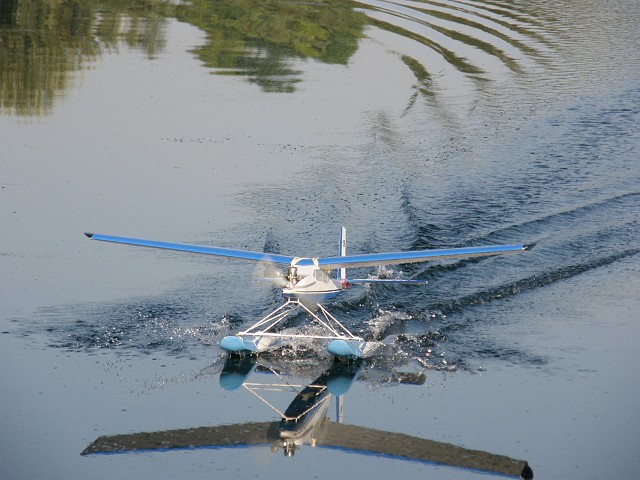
(265, 272)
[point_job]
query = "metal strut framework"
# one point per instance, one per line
(335, 329)
(255, 388)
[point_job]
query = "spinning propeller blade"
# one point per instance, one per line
(266, 272)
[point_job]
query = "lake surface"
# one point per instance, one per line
(267, 126)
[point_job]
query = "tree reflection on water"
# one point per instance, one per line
(41, 42)
(259, 39)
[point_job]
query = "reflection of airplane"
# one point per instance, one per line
(305, 422)
(306, 284)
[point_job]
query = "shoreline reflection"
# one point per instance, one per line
(42, 43)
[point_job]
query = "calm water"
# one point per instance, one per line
(267, 126)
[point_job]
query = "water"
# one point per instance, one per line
(415, 125)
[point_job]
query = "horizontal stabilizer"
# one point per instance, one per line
(386, 280)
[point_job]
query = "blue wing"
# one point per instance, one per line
(349, 261)
(185, 247)
(368, 260)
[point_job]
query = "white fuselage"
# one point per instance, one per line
(310, 285)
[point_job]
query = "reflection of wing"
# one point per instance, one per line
(367, 440)
(257, 433)
(366, 260)
(330, 434)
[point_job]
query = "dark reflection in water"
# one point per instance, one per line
(259, 39)
(42, 42)
(305, 422)
(468, 44)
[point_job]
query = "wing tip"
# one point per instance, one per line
(527, 472)
(529, 246)
(89, 235)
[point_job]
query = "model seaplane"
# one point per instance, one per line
(307, 284)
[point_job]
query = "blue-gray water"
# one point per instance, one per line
(415, 125)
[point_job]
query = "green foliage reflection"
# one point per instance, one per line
(42, 41)
(259, 39)
(39, 43)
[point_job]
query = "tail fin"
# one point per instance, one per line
(343, 252)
